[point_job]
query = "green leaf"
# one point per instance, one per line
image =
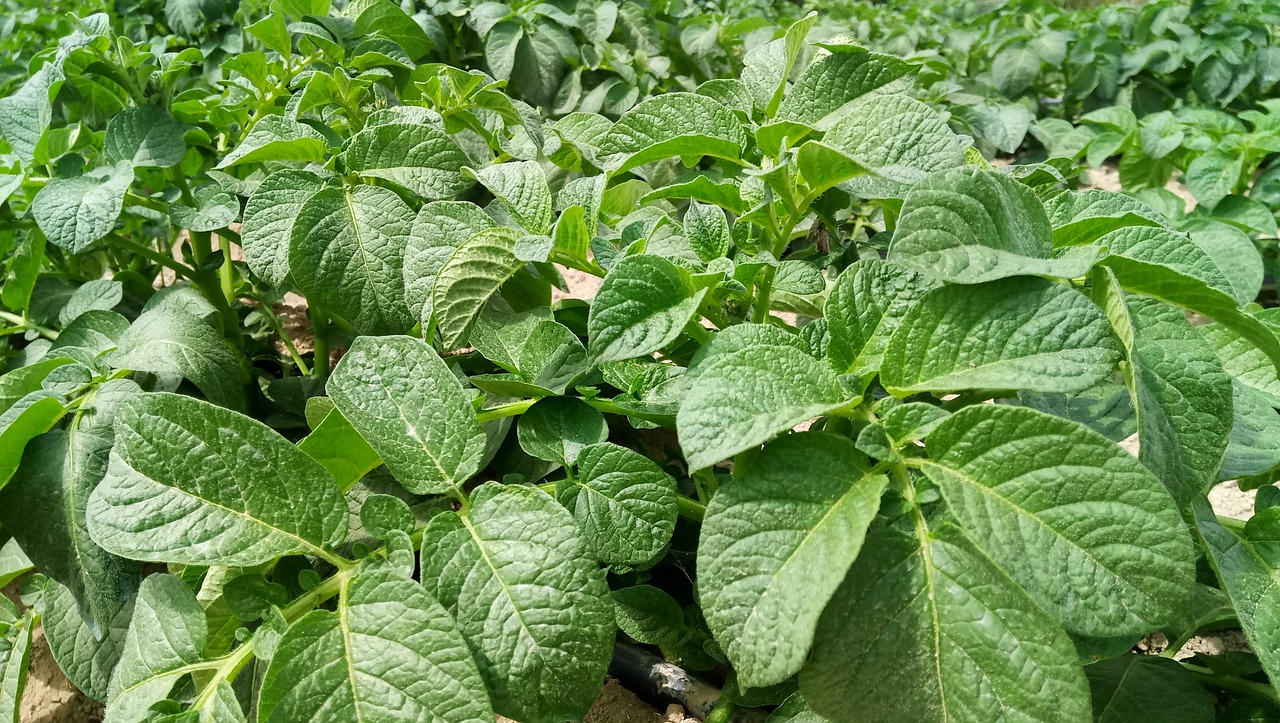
(774, 546)
(673, 124)
(145, 136)
(87, 655)
(866, 305)
(22, 381)
(165, 642)
(14, 563)
(1082, 217)
(401, 396)
(830, 84)
(75, 212)
(1106, 408)
(1018, 333)
(752, 388)
(1161, 276)
(966, 225)
(643, 305)
(1235, 255)
(1212, 176)
(190, 17)
(649, 615)
(471, 276)
(390, 653)
(1246, 565)
(28, 418)
(766, 67)
(15, 655)
(346, 253)
(196, 484)
(269, 216)
(167, 340)
(557, 429)
(388, 20)
(1044, 497)
(1254, 444)
(384, 515)
(336, 445)
(438, 230)
(23, 271)
(93, 333)
(625, 505)
(26, 114)
(925, 627)
(1173, 250)
(898, 138)
(95, 295)
(214, 209)
(708, 230)
(529, 598)
(276, 138)
(522, 189)
(1182, 396)
(1132, 687)
(411, 155)
(1241, 358)
(44, 505)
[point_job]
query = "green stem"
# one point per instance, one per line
(1233, 683)
(609, 407)
(25, 323)
(226, 272)
(699, 332)
(722, 712)
(320, 335)
(276, 326)
(505, 410)
(154, 256)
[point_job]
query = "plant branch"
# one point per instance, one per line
(505, 410)
(152, 255)
(24, 323)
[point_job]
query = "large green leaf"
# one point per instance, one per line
(411, 155)
(749, 387)
(144, 135)
(30, 417)
(967, 225)
(346, 253)
(471, 276)
(774, 546)
(925, 627)
(165, 642)
(1082, 217)
(15, 657)
(898, 138)
(557, 429)
(529, 598)
(276, 138)
(1018, 333)
(643, 305)
(22, 381)
(196, 484)
(623, 502)
(1045, 498)
(1134, 687)
(1254, 444)
(401, 396)
(269, 216)
(826, 88)
(337, 445)
(866, 305)
(45, 502)
(767, 66)
(390, 653)
(438, 230)
(74, 212)
(673, 124)
(168, 340)
(1249, 569)
(87, 655)
(522, 189)
(26, 114)
(1182, 396)
(1245, 361)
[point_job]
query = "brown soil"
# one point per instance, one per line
(49, 696)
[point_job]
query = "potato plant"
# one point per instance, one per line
(294, 428)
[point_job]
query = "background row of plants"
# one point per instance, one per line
(429, 492)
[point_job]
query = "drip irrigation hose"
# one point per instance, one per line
(661, 682)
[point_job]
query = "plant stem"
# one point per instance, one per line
(1233, 683)
(276, 326)
(609, 407)
(320, 336)
(151, 254)
(25, 323)
(226, 272)
(505, 410)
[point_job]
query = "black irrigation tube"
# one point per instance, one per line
(664, 683)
